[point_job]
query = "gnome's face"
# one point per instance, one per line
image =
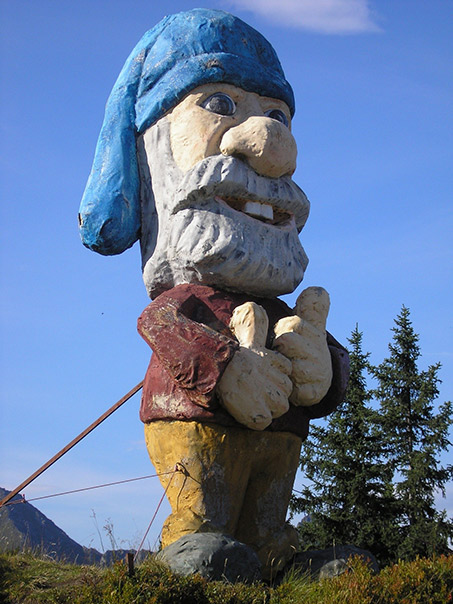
(219, 206)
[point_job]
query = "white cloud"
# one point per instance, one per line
(324, 16)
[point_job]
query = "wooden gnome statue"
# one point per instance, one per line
(195, 159)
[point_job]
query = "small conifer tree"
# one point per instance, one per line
(415, 435)
(350, 498)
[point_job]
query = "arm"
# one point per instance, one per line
(193, 354)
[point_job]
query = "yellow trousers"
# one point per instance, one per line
(237, 482)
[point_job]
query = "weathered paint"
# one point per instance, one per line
(180, 53)
(195, 229)
(266, 144)
(255, 385)
(302, 338)
(237, 482)
(212, 200)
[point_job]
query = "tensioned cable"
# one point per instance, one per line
(177, 469)
(73, 442)
(23, 499)
(98, 486)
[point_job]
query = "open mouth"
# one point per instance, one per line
(265, 212)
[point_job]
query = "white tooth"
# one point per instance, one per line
(253, 208)
(267, 211)
(261, 210)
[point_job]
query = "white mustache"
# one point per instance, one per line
(220, 176)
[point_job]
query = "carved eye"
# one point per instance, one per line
(277, 114)
(220, 103)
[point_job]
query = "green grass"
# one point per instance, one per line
(28, 579)
(25, 577)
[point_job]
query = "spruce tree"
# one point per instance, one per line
(415, 435)
(350, 496)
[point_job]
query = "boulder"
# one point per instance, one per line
(213, 556)
(330, 562)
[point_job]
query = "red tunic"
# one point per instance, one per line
(187, 328)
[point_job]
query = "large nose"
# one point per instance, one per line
(266, 144)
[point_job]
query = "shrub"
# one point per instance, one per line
(27, 579)
(424, 580)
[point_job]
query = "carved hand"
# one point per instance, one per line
(255, 385)
(302, 338)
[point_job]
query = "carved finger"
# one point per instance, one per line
(249, 324)
(290, 344)
(313, 306)
(306, 395)
(278, 361)
(313, 370)
(279, 381)
(287, 325)
(278, 402)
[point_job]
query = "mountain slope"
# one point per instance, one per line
(22, 526)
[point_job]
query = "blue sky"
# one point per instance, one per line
(374, 127)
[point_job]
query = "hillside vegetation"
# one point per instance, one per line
(27, 579)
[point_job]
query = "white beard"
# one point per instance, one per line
(195, 237)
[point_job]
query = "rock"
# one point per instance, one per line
(333, 568)
(213, 556)
(330, 562)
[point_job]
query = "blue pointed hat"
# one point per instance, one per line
(181, 52)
